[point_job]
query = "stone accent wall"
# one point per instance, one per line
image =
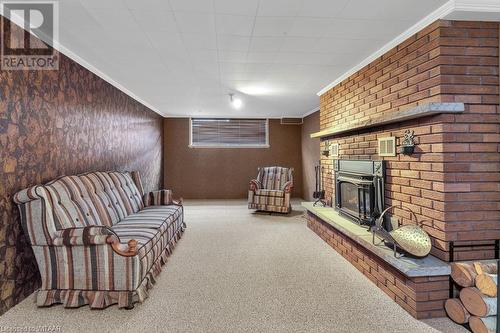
(422, 297)
(63, 122)
(452, 182)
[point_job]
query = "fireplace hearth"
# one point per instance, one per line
(359, 189)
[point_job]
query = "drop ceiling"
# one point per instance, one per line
(183, 57)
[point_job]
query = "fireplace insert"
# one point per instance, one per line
(359, 189)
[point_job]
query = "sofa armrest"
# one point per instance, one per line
(91, 235)
(94, 235)
(254, 185)
(160, 198)
(26, 195)
(287, 187)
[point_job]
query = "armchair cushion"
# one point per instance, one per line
(270, 193)
(274, 178)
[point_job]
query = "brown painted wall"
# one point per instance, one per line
(310, 154)
(225, 173)
(63, 122)
(452, 182)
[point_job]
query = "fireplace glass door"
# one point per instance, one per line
(356, 199)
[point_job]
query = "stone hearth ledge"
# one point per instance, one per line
(411, 267)
(419, 111)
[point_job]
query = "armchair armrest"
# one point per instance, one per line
(287, 187)
(160, 198)
(254, 185)
(94, 235)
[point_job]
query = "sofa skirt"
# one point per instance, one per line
(100, 299)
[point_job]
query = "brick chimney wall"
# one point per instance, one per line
(452, 181)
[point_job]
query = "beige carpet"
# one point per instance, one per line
(234, 271)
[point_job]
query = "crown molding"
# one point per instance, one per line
(316, 109)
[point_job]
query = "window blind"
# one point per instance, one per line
(215, 132)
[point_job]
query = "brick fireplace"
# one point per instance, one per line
(452, 181)
(443, 84)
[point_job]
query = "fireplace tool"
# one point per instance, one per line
(319, 192)
(411, 238)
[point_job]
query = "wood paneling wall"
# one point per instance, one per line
(310, 155)
(210, 173)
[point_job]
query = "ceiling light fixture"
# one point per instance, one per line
(235, 102)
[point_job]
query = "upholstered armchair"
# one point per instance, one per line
(272, 190)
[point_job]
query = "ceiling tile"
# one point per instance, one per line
(261, 57)
(236, 7)
(232, 56)
(310, 27)
(298, 44)
(337, 45)
(150, 20)
(192, 22)
(227, 66)
(109, 4)
(368, 29)
(146, 4)
(279, 8)
(258, 68)
(199, 41)
(204, 57)
(233, 43)
(165, 41)
(324, 8)
(192, 5)
(272, 26)
(389, 9)
(266, 44)
(234, 24)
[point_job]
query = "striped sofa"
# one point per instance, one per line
(97, 238)
(272, 190)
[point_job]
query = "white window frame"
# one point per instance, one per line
(217, 146)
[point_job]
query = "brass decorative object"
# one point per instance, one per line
(410, 238)
(413, 240)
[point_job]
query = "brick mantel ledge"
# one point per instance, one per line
(409, 266)
(419, 111)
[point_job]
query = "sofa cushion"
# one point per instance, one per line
(153, 228)
(97, 198)
(270, 193)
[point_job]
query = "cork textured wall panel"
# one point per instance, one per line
(63, 122)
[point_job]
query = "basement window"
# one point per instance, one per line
(228, 133)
